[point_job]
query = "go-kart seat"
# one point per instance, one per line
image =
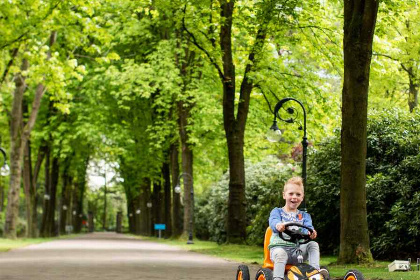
(267, 261)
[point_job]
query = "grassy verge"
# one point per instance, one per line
(254, 255)
(8, 244)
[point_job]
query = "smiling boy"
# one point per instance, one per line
(281, 251)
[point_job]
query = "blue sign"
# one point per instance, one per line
(160, 226)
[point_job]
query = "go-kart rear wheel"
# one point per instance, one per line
(324, 272)
(264, 274)
(353, 275)
(242, 273)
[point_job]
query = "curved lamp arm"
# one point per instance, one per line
(275, 131)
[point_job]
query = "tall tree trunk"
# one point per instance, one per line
(130, 213)
(236, 224)
(78, 200)
(359, 26)
(138, 226)
(65, 196)
(176, 198)
(48, 227)
(145, 211)
(187, 169)
(167, 200)
(157, 204)
(75, 198)
(47, 195)
(413, 93)
(235, 125)
(18, 137)
(33, 192)
(16, 154)
(29, 191)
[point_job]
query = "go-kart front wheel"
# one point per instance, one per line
(353, 275)
(242, 273)
(264, 274)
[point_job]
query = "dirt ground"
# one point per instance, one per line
(107, 256)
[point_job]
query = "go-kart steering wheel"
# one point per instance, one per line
(295, 235)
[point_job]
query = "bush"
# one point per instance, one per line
(393, 186)
(264, 184)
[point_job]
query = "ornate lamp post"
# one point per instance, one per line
(274, 134)
(177, 189)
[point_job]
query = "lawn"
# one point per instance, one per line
(254, 255)
(8, 244)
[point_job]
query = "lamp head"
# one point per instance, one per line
(5, 170)
(274, 133)
(177, 189)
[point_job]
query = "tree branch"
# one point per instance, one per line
(12, 59)
(212, 61)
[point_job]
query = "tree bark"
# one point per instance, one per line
(29, 191)
(176, 198)
(65, 196)
(235, 125)
(413, 93)
(359, 26)
(48, 227)
(167, 199)
(80, 189)
(187, 169)
(18, 137)
(144, 197)
(16, 154)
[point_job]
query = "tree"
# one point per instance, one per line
(398, 43)
(359, 27)
(19, 138)
(221, 52)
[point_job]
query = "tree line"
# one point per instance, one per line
(168, 89)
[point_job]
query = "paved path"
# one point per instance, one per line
(110, 256)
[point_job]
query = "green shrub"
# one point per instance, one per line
(393, 186)
(264, 183)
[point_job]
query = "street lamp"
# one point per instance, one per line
(274, 134)
(4, 170)
(177, 189)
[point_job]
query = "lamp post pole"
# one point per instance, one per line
(275, 133)
(191, 214)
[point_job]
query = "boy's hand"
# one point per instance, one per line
(313, 235)
(280, 227)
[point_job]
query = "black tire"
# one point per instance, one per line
(264, 274)
(353, 275)
(324, 272)
(242, 273)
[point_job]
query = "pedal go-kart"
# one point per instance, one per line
(300, 271)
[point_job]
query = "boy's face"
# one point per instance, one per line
(293, 194)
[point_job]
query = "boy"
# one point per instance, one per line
(283, 252)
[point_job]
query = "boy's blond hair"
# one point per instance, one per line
(297, 181)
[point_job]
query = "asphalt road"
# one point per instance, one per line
(111, 256)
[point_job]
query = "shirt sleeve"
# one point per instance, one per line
(274, 219)
(307, 220)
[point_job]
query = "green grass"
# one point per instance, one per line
(8, 244)
(254, 255)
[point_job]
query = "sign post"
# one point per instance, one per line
(160, 227)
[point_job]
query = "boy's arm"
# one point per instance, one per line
(307, 220)
(274, 219)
